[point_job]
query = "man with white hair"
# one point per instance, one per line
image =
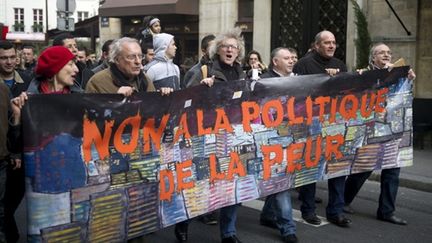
(379, 58)
(124, 75)
(226, 52)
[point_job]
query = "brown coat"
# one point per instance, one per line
(103, 83)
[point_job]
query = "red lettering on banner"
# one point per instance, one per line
(164, 192)
(350, 113)
(214, 175)
(182, 129)
(248, 115)
(92, 135)
(123, 148)
(294, 153)
(322, 101)
(309, 163)
(380, 100)
(292, 119)
(235, 166)
(333, 109)
(183, 171)
(309, 110)
(267, 113)
(268, 151)
(365, 108)
(150, 134)
(222, 121)
(200, 121)
(332, 146)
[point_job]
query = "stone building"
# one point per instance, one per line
(267, 24)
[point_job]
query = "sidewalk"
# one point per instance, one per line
(418, 176)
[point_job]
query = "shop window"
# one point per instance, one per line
(245, 10)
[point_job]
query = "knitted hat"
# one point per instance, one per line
(52, 60)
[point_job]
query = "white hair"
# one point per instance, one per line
(117, 47)
(234, 33)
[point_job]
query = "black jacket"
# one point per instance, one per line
(22, 81)
(314, 63)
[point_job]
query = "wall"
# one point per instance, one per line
(7, 12)
(423, 84)
(216, 16)
(262, 28)
(384, 27)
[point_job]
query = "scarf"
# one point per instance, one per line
(45, 88)
(121, 80)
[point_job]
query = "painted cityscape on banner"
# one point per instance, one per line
(106, 168)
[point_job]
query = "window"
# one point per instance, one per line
(245, 10)
(82, 16)
(37, 20)
(19, 20)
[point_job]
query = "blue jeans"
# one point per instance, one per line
(227, 221)
(278, 208)
(389, 189)
(3, 166)
(336, 188)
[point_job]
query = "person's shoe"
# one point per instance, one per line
(292, 238)
(268, 223)
(348, 209)
(231, 239)
(181, 232)
(209, 219)
(394, 220)
(340, 221)
(312, 219)
(318, 200)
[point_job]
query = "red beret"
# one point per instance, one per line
(52, 60)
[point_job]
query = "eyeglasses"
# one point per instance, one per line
(5, 58)
(384, 52)
(226, 46)
(133, 57)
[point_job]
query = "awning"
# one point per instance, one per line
(116, 8)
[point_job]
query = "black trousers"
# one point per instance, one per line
(15, 189)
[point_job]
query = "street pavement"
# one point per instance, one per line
(413, 204)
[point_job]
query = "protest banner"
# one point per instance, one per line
(107, 168)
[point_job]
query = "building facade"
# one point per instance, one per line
(29, 20)
(293, 23)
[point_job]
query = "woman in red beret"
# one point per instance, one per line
(55, 72)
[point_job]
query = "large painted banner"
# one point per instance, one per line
(104, 168)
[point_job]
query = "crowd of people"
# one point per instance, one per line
(145, 64)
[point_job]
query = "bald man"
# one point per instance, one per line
(322, 60)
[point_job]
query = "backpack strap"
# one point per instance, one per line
(204, 71)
